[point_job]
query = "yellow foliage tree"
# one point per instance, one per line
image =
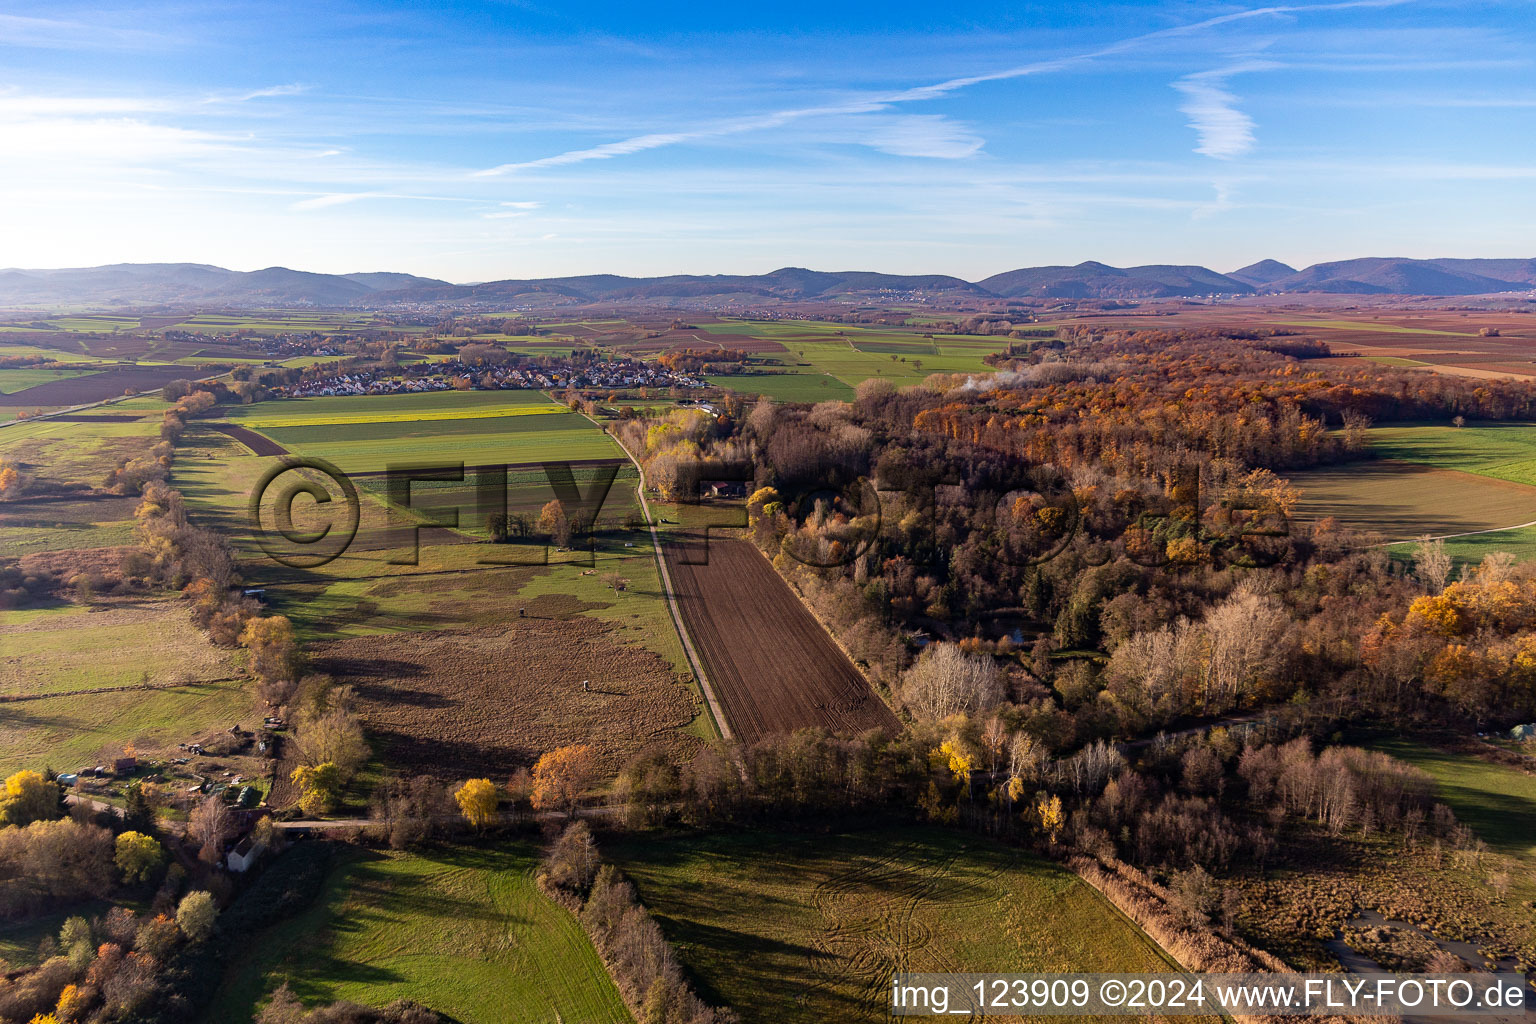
(477, 800)
(1437, 614)
(273, 648)
(1048, 809)
(72, 1003)
(28, 797)
(137, 855)
(1185, 551)
(960, 762)
(561, 777)
(554, 522)
(319, 786)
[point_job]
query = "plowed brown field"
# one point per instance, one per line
(772, 666)
(261, 444)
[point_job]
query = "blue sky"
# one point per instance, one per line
(474, 141)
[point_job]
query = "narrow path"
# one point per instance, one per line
(1453, 536)
(697, 663)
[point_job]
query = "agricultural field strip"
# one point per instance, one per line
(734, 605)
(1359, 325)
(405, 416)
(695, 663)
(1502, 451)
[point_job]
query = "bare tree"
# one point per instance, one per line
(946, 681)
(210, 824)
(1242, 643)
(1431, 563)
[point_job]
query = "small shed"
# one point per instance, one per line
(1523, 732)
(124, 764)
(244, 854)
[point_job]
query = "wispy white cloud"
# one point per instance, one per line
(268, 92)
(1224, 131)
(16, 103)
(329, 199)
(56, 34)
(924, 135)
(876, 102)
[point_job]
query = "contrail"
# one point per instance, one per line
(882, 101)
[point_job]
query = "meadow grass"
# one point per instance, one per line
(789, 927)
(1502, 450)
(67, 732)
(20, 940)
(543, 438)
(321, 409)
(852, 354)
(65, 536)
(15, 382)
(787, 387)
(463, 931)
(8, 350)
(1471, 550)
(368, 433)
(411, 416)
(76, 647)
(77, 452)
(1498, 802)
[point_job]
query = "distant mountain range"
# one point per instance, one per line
(184, 284)
(142, 284)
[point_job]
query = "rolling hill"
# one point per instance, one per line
(145, 284)
(182, 284)
(1096, 281)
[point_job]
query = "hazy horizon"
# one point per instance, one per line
(1221, 269)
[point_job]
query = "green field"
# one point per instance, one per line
(852, 354)
(63, 535)
(78, 452)
(15, 381)
(8, 350)
(787, 387)
(319, 410)
(276, 322)
(67, 732)
(1504, 451)
(368, 433)
(1404, 500)
(463, 931)
(71, 647)
(788, 927)
(1470, 550)
(1499, 803)
(1440, 480)
(366, 591)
